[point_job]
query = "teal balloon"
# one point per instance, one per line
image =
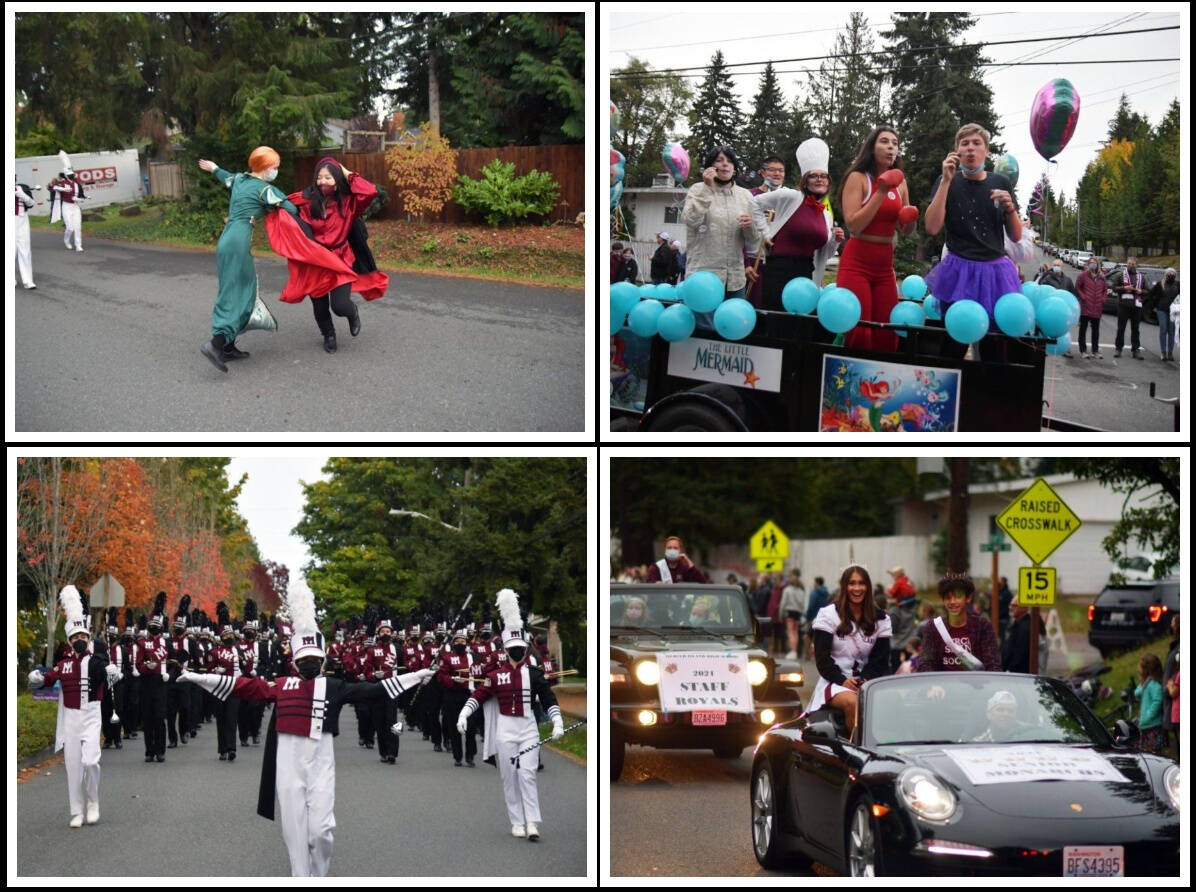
(644, 317)
(1053, 317)
(932, 308)
(966, 321)
(647, 290)
(913, 288)
(907, 313)
(1034, 292)
(827, 289)
(676, 323)
(623, 296)
(734, 319)
(703, 291)
(800, 295)
(1014, 315)
(1007, 165)
(665, 291)
(616, 192)
(839, 310)
(1073, 309)
(1060, 345)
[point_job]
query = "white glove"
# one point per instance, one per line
(425, 674)
(112, 672)
(187, 676)
(462, 721)
(36, 680)
(379, 673)
(558, 729)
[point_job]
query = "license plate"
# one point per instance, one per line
(709, 717)
(1093, 861)
(1116, 617)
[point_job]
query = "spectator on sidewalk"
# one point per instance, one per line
(1129, 307)
(1015, 653)
(1170, 673)
(1056, 278)
(1090, 289)
(819, 597)
(904, 617)
(663, 267)
(629, 271)
(793, 608)
(1162, 294)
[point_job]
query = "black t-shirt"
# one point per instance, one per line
(975, 227)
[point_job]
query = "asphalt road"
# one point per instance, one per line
(110, 341)
(196, 816)
(1110, 394)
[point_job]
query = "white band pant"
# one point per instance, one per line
(518, 784)
(81, 755)
(305, 787)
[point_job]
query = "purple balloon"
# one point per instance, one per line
(676, 161)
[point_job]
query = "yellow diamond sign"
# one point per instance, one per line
(769, 542)
(1038, 521)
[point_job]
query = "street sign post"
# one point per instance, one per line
(996, 544)
(770, 565)
(769, 542)
(1039, 522)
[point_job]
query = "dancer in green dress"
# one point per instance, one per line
(251, 197)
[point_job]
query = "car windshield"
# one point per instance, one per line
(678, 607)
(976, 707)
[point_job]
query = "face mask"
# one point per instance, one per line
(80, 646)
(227, 642)
(516, 653)
(249, 636)
(269, 175)
(486, 636)
(970, 171)
(384, 639)
(1058, 269)
(309, 668)
(459, 648)
(671, 554)
(328, 190)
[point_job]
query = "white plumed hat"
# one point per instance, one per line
(66, 161)
(512, 623)
(76, 616)
(813, 154)
(306, 639)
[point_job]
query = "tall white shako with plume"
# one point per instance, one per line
(76, 613)
(65, 159)
(306, 638)
(512, 623)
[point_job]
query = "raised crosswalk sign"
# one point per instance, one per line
(1038, 520)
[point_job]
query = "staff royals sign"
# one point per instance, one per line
(691, 682)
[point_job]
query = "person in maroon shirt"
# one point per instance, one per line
(151, 656)
(973, 643)
(675, 566)
(456, 670)
(225, 660)
(82, 674)
(381, 662)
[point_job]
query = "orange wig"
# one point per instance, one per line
(263, 158)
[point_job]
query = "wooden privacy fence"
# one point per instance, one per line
(165, 179)
(565, 163)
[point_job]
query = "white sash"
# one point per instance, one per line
(663, 566)
(318, 694)
(970, 660)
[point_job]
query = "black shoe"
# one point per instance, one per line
(330, 343)
(231, 352)
(437, 748)
(427, 737)
(540, 767)
(244, 743)
(469, 763)
(360, 742)
(209, 350)
(383, 759)
(149, 758)
(172, 745)
(257, 740)
(118, 746)
(132, 736)
(391, 759)
(456, 763)
(160, 758)
(224, 757)
(490, 761)
(183, 739)
(107, 744)
(232, 757)
(355, 323)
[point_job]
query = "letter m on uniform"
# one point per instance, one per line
(504, 678)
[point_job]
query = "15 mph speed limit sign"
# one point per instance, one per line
(1036, 586)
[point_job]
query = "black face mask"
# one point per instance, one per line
(227, 642)
(459, 648)
(249, 636)
(384, 639)
(80, 646)
(516, 653)
(486, 636)
(309, 668)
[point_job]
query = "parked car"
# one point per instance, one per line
(1131, 614)
(1150, 275)
(944, 785)
(662, 626)
(1080, 259)
(1140, 568)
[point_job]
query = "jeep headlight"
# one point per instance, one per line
(647, 672)
(757, 672)
(1171, 781)
(926, 795)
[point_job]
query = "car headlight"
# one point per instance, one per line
(1171, 785)
(791, 678)
(768, 716)
(618, 678)
(926, 795)
(757, 672)
(647, 672)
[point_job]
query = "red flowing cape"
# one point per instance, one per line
(312, 268)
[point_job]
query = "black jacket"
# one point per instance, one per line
(1015, 657)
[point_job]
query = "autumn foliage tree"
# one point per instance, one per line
(424, 171)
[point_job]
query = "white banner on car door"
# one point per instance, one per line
(1014, 764)
(695, 682)
(727, 362)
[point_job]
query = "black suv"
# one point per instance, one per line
(650, 622)
(1127, 615)
(1150, 275)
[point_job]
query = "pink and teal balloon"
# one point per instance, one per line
(615, 118)
(1053, 117)
(616, 192)
(617, 165)
(676, 161)
(1006, 165)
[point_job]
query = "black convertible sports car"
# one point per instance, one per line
(962, 773)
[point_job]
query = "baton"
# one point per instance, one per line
(536, 746)
(440, 650)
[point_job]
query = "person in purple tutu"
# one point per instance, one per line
(978, 209)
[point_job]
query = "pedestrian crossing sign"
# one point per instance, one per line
(769, 542)
(1038, 521)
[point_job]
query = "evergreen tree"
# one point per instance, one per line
(937, 87)
(798, 128)
(714, 118)
(1163, 199)
(843, 98)
(768, 126)
(1126, 123)
(649, 105)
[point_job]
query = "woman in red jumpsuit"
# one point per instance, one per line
(335, 200)
(872, 196)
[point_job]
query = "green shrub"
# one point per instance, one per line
(485, 252)
(501, 197)
(430, 244)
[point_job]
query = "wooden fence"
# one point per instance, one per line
(565, 163)
(165, 179)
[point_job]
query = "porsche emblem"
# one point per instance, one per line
(670, 668)
(1076, 807)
